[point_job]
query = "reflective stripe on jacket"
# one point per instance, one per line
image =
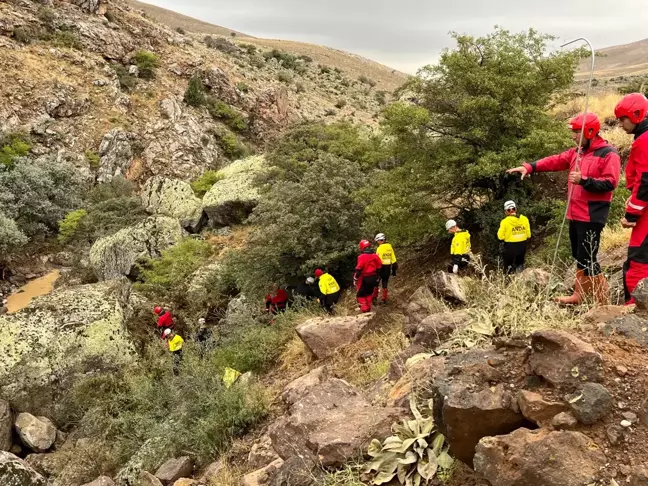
(514, 229)
(386, 254)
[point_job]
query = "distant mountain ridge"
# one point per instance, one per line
(623, 60)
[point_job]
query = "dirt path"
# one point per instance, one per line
(40, 286)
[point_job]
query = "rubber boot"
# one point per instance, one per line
(366, 304)
(600, 290)
(581, 287)
(384, 296)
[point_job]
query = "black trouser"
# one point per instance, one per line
(328, 301)
(585, 241)
(385, 273)
(461, 260)
(513, 257)
(177, 359)
(367, 286)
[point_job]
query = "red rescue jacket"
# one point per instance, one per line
(637, 182)
(165, 320)
(600, 167)
(279, 300)
(368, 264)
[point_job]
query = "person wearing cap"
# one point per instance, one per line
(203, 336)
(389, 265)
(459, 248)
(306, 289)
(165, 319)
(594, 168)
(329, 290)
(174, 344)
(514, 231)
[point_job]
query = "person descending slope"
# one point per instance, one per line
(329, 290)
(389, 265)
(590, 188)
(632, 113)
(459, 248)
(165, 319)
(276, 300)
(306, 289)
(514, 231)
(174, 343)
(366, 275)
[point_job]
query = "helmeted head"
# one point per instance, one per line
(510, 207)
(319, 272)
(380, 238)
(158, 310)
(451, 225)
(310, 280)
(167, 333)
(364, 244)
(201, 321)
(631, 110)
(591, 124)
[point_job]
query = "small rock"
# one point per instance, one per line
(630, 417)
(621, 370)
(448, 287)
(101, 481)
(174, 469)
(211, 473)
(564, 421)
(133, 70)
(36, 434)
(263, 476)
(262, 453)
(625, 470)
(147, 479)
(591, 403)
(536, 409)
(626, 423)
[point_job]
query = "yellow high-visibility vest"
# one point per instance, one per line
(386, 254)
(328, 285)
(460, 243)
(176, 343)
(514, 229)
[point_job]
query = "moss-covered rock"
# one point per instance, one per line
(116, 255)
(174, 198)
(59, 336)
(15, 472)
(232, 199)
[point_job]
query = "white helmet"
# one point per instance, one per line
(380, 236)
(167, 332)
(450, 224)
(310, 280)
(201, 321)
(509, 205)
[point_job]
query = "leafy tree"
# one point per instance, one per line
(11, 237)
(12, 147)
(301, 225)
(195, 94)
(481, 110)
(69, 226)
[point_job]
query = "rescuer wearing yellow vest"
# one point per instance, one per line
(329, 290)
(389, 265)
(174, 343)
(514, 231)
(460, 247)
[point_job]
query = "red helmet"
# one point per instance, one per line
(634, 106)
(318, 273)
(591, 122)
(364, 244)
(158, 310)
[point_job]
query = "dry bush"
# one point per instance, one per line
(614, 237)
(602, 104)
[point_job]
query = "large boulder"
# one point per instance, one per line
(472, 401)
(116, 154)
(91, 6)
(58, 336)
(38, 435)
(174, 198)
(331, 424)
(6, 425)
(232, 199)
(563, 359)
(206, 277)
(302, 386)
(116, 255)
(448, 286)
(147, 479)
(435, 329)
(174, 469)
(15, 472)
(421, 304)
(324, 335)
(420, 372)
(539, 458)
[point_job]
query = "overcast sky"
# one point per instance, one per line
(407, 34)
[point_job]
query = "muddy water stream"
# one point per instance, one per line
(39, 286)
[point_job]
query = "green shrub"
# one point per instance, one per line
(12, 147)
(381, 97)
(126, 80)
(341, 103)
(166, 274)
(285, 77)
(324, 69)
(46, 15)
(249, 48)
(232, 146)
(205, 182)
(219, 110)
(67, 38)
(221, 44)
(93, 159)
(242, 87)
(147, 62)
(11, 238)
(22, 35)
(330, 112)
(636, 84)
(195, 93)
(69, 226)
(365, 80)
(180, 30)
(306, 58)
(300, 88)
(286, 60)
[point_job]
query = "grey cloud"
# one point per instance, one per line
(408, 34)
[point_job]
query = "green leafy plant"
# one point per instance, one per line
(147, 62)
(12, 147)
(204, 183)
(67, 38)
(22, 35)
(69, 225)
(195, 93)
(365, 80)
(93, 159)
(413, 455)
(232, 146)
(242, 87)
(219, 110)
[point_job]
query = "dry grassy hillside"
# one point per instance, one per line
(386, 78)
(624, 60)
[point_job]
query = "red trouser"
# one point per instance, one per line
(366, 286)
(636, 267)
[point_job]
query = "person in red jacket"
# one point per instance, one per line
(165, 319)
(632, 113)
(366, 275)
(594, 169)
(276, 300)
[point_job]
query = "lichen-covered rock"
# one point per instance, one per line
(71, 331)
(6, 425)
(448, 287)
(116, 154)
(170, 109)
(302, 386)
(174, 198)
(232, 199)
(15, 472)
(38, 435)
(202, 279)
(116, 255)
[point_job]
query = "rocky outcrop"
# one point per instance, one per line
(331, 424)
(101, 481)
(630, 326)
(324, 335)
(201, 280)
(91, 6)
(302, 386)
(437, 328)
(591, 403)
(15, 472)
(219, 84)
(261, 453)
(539, 458)
(232, 199)
(448, 287)
(420, 372)
(38, 435)
(116, 154)
(173, 198)
(170, 109)
(71, 331)
(563, 359)
(6, 425)
(116, 255)
(174, 469)
(262, 476)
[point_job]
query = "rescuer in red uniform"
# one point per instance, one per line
(367, 275)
